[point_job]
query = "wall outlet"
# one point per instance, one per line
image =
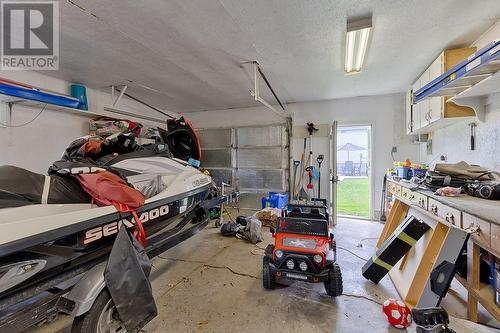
(394, 149)
(442, 158)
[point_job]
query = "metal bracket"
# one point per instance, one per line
(257, 73)
(5, 114)
(472, 229)
(117, 99)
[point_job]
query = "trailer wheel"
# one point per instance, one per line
(333, 285)
(101, 318)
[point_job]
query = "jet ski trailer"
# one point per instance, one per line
(62, 269)
(53, 256)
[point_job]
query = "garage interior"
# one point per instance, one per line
(231, 128)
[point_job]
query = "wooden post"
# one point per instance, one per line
(396, 215)
(473, 282)
(426, 265)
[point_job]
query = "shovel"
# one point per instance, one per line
(296, 165)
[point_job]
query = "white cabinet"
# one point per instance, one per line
(424, 105)
(436, 104)
(414, 119)
(437, 67)
(436, 108)
(428, 114)
(409, 110)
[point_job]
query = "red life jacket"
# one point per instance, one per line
(107, 189)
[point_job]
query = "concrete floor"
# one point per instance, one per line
(211, 283)
(218, 287)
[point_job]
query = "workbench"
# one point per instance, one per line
(448, 217)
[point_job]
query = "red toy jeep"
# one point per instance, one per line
(304, 250)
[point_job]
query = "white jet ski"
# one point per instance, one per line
(50, 231)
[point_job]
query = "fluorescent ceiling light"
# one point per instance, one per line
(356, 43)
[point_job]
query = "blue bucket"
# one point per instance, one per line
(79, 91)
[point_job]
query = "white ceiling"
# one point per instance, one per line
(189, 51)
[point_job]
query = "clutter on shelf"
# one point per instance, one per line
(449, 191)
(407, 170)
(105, 126)
(447, 179)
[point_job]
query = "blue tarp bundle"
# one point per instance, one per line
(37, 95)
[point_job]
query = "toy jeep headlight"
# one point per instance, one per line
(278, 254)
(303, 266)
(318, 259)
(290, 264)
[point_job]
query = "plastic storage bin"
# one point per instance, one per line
(407, 173)
(404, 172)
(275, 200)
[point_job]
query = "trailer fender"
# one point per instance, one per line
(80, 298)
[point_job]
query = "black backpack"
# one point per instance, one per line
(229, 228)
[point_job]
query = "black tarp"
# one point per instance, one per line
(73, 162)
(20, 187)
(126, 277)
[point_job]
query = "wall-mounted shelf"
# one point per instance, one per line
(469, 81)
(476, 95)
(18, 93)
(107, 111)
(464, 75)
(489, 85)
(47, 106)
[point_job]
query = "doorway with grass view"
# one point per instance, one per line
(353, 171)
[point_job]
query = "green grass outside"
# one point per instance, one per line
(353, 197)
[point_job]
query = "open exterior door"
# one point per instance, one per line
(332, 204)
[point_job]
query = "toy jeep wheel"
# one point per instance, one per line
(268, 279)
(333, 285)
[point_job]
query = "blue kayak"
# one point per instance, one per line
(37, 95)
